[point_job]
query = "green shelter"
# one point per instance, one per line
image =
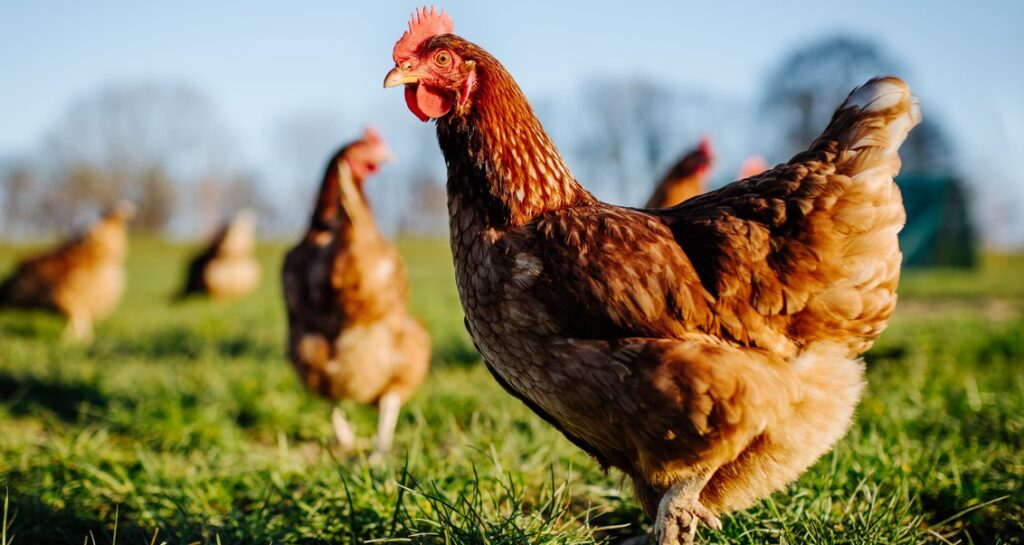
(938, 231)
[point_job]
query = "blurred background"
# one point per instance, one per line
(182, 422)
(195, 110)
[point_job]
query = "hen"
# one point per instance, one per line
(350, 334)
(226, 268)
(685, 179)
(83, 278)
(707, 350)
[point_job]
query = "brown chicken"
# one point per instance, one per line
(226, 268)
(83, 278)
(687, 178)
(350, 334)
(707, 350)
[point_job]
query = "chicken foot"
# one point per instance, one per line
(680, 510)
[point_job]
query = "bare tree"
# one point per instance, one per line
(19, 186)
(82, 189)
(303, 142)
(219, 200)
(624, 134)
(629, 125)
(928, 151)
(803, 91)
(427, 213)
(244, 191)
(156, 199)
(142, 142)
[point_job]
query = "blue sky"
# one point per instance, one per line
(260, 61)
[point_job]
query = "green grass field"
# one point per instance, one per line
(184, 424)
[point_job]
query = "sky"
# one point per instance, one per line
(261, 61)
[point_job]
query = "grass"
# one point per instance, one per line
(183, 424)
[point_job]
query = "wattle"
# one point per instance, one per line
(427, 102)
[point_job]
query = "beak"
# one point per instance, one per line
(389, 157)
(397, 77)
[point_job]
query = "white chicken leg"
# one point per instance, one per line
(78, 328)
(343, 430)
(389, 406)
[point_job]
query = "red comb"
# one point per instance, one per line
(425, 24)
(705, 145)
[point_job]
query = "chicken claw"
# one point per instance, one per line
(678, 513)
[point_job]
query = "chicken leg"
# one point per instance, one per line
(343, 430)
(78, 328)
(389, 406)
(680, 510)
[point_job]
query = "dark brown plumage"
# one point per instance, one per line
(707, 350)
(83, 278)
(685, 179)
(226, 268)
(350, 334)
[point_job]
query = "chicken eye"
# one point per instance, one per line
(443, 58)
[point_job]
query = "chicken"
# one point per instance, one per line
(685, 179)
(350, 334)
(708, 350)
(226, 268)
(83, 278)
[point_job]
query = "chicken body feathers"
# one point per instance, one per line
(718, 335)
(84, 276)
(227, 267)
(808, 251)
(346, 290)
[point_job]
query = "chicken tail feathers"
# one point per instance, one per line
(871, 125)
(854, 214)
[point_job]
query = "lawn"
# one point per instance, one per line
(183, 423)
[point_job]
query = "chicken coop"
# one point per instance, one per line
(939, 232)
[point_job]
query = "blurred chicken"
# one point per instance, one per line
(708, 350)
(226, 268)
(686, 179)
(350, 332)
(83, 278)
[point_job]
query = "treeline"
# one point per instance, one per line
(166, 148)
